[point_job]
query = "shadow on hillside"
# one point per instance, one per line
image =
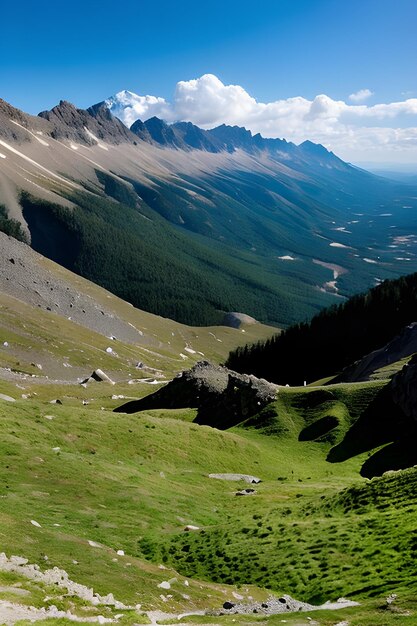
(381, 424)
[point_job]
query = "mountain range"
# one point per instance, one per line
(192, 223)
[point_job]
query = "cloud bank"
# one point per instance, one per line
(353, 131)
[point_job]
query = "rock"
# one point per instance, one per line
(228, 605)
(190, 527)
(246, 477)
(403, 345)
(236, 320)
(57, 401)
(245, 492)
(98, 376)
(224, 398)
(6, 398)
(164, 585)
(404, 389)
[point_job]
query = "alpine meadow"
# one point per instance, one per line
(208, 313)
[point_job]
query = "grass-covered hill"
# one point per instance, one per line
(334, 338)
(96, 484)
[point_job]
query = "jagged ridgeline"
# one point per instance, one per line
(191, 223)
(334, 338)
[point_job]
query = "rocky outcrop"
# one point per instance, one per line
(390, 423)
(403, 345)
(86, 126)
(223, 397)
(236, 320)
(98, 376)
(404, 389)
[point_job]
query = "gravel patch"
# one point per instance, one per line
(23, 276)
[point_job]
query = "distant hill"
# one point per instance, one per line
(335, 337)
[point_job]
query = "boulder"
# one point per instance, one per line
(98, 376)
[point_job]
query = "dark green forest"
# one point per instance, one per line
(334, 338)
(10, 226)
(130, 250)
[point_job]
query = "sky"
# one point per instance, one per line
(343, 73)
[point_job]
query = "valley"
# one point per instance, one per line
(231, 221)
(125, 505)
(141, 480)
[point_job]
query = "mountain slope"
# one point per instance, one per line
(69, 327)
(252, 224)
(334, 338)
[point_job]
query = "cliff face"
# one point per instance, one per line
(404, 389)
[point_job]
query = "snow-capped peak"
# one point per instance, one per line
(129, 107)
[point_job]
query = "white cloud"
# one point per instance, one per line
(361, 95)
(353, 131)
(130, 107)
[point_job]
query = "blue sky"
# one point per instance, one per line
(275, 49)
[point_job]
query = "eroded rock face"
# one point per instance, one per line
(404, 389)
(223, 397)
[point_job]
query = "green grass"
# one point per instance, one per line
(313, 529)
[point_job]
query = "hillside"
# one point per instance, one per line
(144, 212)
(106, 497)
(334, 338)
(56, 324)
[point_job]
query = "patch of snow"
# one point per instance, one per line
(286, 257)
(335, 244)
(41, 141)
(2, 156)
(370, 261)
(35, 523)
(190, 350)
(38, 165)
(92, 136)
